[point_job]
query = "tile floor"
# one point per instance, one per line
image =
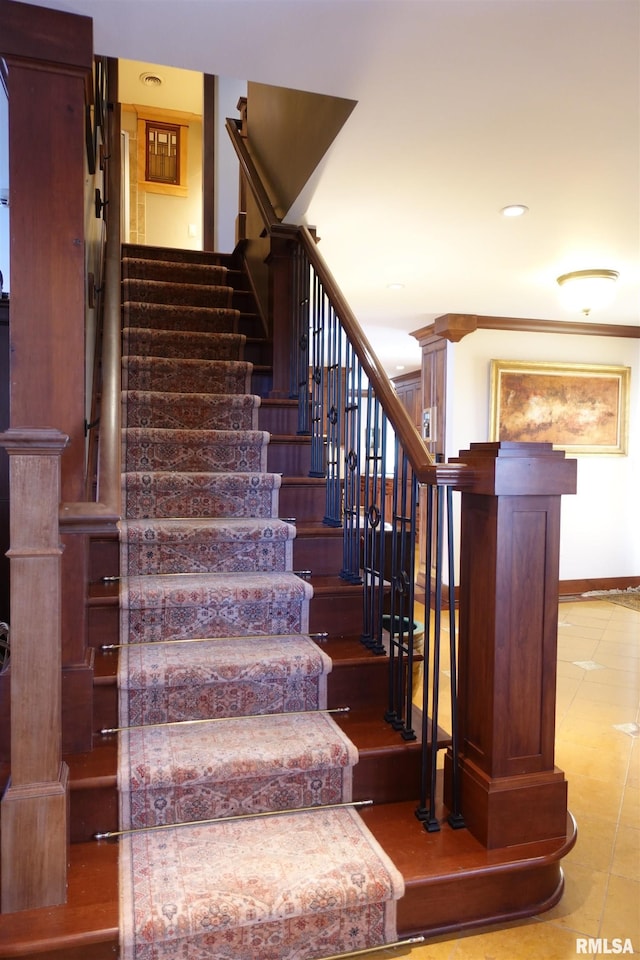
(598, 747)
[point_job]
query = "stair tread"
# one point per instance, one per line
(235, 748)
(90, 917)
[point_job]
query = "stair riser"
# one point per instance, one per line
(143, 343)
(247, 618)
(355, 686)
(188, 295)
(212, 557)
(278, 418)
(148, 268)
(104, 558)
(338, 616)
(195, 456)
(385, 776)
(92, 809)
(292, 459)
(305, 502)
(321, 555)
(184, 803)
(334, 615)
(158, 316)
(140, 250)
(189, 412)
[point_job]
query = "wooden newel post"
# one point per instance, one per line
(34, 806)
(281, 307)
(511, 790)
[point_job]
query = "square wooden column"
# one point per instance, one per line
(511, 791)
(34, 807)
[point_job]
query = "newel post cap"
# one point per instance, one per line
(507, 468)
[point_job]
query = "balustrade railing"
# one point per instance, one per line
(377, 471)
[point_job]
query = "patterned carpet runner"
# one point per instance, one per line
(222, 693)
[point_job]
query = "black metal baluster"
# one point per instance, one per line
(431, 823)
(423, 811)
(333, 373)
(455, 818)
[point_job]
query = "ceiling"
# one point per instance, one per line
(464, 106)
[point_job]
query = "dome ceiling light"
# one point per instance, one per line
(588, 290)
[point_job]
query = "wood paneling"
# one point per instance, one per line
(34, 807)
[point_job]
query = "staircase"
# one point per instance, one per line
(155, 772)
(222, 692)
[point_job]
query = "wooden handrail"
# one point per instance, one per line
(249, 169)
(421, 460)
(102, 515)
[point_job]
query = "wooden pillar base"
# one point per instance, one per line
(504, 811)
(34, 844)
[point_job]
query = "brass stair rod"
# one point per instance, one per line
(107, 731)
(114, 834)
(259, 636)
(383, 946)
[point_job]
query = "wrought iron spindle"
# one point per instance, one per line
(352, 461)
(334, 339)
(455, 818)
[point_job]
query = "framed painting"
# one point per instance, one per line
(578, 407)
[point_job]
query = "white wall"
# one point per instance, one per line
(177, 221)
(228, 92)
(599, 532)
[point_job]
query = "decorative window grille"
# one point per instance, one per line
(162, 153)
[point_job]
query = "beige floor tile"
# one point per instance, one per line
(633, 776)
(588, 798)
(630, 810)
(614, 677)
(619, 642)
(583, 900)
(574, 730)
(597, 692)
(605, 713)
(594, 846)
(593, 763)
(572, 647)
(617, 660)
(528, 941)
(597, 764)
(621, 916)
(440, 948)
(626, 854)
(569, 672)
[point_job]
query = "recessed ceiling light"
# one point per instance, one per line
(395, 286)
(514, 210)
(400, 366)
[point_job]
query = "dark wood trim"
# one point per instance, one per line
(208, 161)
(576, 588)
(39, 34)
(455, 326)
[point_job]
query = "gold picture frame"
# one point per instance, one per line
(582, 408)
